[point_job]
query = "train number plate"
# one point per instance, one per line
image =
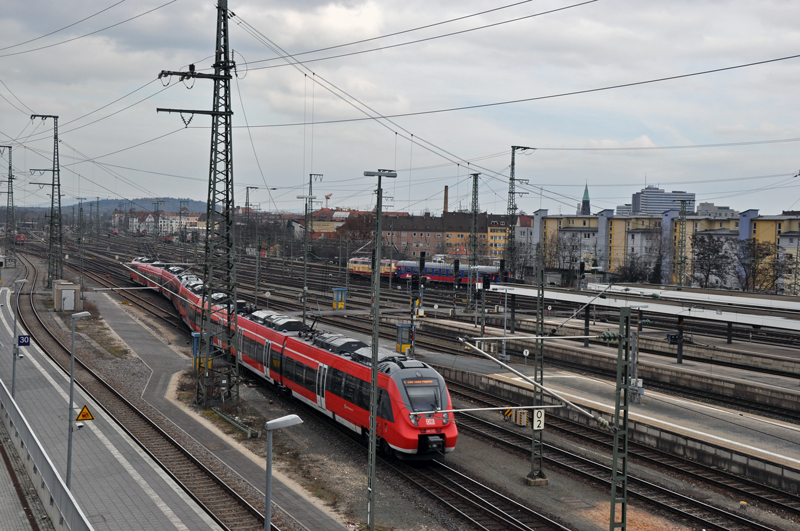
(538, 419)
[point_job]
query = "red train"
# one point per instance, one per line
(19, 239)
(327, 371)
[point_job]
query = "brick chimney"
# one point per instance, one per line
(445, 199)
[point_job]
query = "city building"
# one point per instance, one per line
(654, 200)
(709, 210)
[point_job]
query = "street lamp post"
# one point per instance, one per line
(272, 425)
(15, 340)
(75, 317)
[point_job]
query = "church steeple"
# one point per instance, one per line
(586, 208)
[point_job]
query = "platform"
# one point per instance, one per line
(164, 363)
(116, 484)
(768, 439)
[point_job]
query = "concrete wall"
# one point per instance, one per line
(744, 465)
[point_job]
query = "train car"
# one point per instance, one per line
(19, 239)
(444, 272)
(362, 267)
(329, 372)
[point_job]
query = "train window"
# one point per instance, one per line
(299, 368)
(267, 353)
(288, 368)
(424, 394)
(277, 357)
(311, 379)
(363, 394)
(385, 406)
(350, 388)
(334, 383)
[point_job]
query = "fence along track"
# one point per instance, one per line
(228, 509)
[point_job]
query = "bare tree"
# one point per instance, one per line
(550, 251)
(357, 228)
(711, 258)
(633, 270)
(760, 266)
(569, 250)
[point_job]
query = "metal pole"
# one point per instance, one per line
(305, 263)
(268, 502)
(619, 467)
(586, 325)
(15, 340)
(69, 409)
(75, 317)
(258, 269)
(505, 319)
(483, 312)
(373, 397)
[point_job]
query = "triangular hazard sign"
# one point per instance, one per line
(85, 414)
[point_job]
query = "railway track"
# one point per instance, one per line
(706, 515)
(482, 506)
(442, 342)
(229, 509)
(754, 493)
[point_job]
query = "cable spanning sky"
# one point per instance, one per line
(695, 96)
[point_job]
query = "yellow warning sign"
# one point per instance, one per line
(85, 414)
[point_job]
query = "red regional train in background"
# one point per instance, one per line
(329, 372)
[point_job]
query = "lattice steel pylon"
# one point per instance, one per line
(619, 468)
(511, 214)
(11, 225)
(537, 475)
(217, 371)
(680, 257)
(472, 299)
(55, 247)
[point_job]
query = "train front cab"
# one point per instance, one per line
(423, 435)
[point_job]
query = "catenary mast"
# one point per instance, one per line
(217, 371)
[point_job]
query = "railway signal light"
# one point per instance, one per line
(456, 266)
(422, 262)
(487, 283)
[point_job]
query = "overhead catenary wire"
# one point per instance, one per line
(426, 39)
(89, 34)
(560, 95)
(396, 33)
(358, 104)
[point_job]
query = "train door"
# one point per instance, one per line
(322, 374)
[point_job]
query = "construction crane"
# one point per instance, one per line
(327, 196)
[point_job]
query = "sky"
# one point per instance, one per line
(582, 83)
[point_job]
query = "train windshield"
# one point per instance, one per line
(424, 394)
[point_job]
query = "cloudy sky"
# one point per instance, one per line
(730, 136)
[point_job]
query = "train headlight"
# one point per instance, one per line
(413, 418)
(445, 418)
